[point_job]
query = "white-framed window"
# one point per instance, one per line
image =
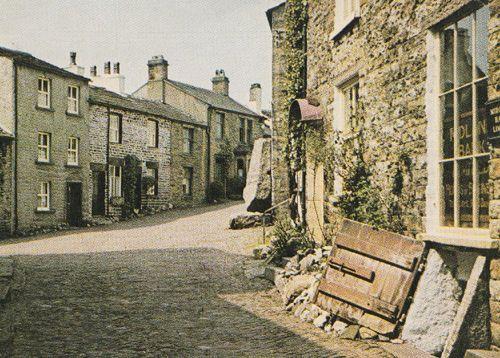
(43, 147)
(345, 12)
(152, 133)
(153, 173)
(44, 197)
(115, 128)
(43, 93)
(73, 151)
(219, 125)
(187, 181)
(115, 181)
(73, 99)
(457, 193)
(346, 106)
(188, 140)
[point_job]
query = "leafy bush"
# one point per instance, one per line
(148, 182)
(288, 240)
(131, 169)
(215, 191)
(235, 186)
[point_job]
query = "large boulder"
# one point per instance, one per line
(257, 192)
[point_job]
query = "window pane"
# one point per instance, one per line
(482, 17)
(447, 125)
(464, 51)
(465, 192)
(484, 197)
(465, 121)
(482, 117)
(448, 193)
(447, 59)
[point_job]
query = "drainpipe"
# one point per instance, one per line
(15, 219)
(106, 174)
(209, 151)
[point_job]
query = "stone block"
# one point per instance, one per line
(257, 192)
(367, 333)
(350, 332)
(272, 272)
(495, 334)
(495, 269)
(435, 304)
(470, 328)
(495, 290)
(295, 286)
(495, 311)
(478, 353)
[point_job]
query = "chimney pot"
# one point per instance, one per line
(116, 68)
(107, 68)
(93, 71)
(158, 68)
(72, 58)
(220, 83)
(256, 98)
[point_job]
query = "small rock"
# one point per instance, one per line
(351, 332)
(383, 338)
(339, 326)
(305, 316)
(328, 328)
(367, 333)
(295, 286)
(397, 341)
(299, 310)
(321, 320)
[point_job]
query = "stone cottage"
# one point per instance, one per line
(6, 222)
(232, 127)
(45, 109)
(412, 88)
(168, 144)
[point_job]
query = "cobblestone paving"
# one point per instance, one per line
(168, 285)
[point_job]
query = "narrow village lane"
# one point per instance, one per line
(166, 285)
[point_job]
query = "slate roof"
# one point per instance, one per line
(99, 95)
(214, 99)
(29, 60)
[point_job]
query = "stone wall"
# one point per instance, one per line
(5, 186)
(279, 171)
(168, 156)
(7, 94)
(30, 173)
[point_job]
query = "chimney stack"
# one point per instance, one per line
(116, 68)
(158, 68)
(107, 68)
(220, 83)
(93, 71)
(73, 67)
(256, 98)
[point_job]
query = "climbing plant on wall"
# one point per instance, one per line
(294, 86)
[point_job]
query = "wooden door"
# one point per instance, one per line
(98, 192)
(74, 204)
(369, 276)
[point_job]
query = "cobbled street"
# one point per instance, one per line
(172, 284)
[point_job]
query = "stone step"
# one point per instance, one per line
(478, 353)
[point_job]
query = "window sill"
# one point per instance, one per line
(346, 26)
(43, 163)
(73, 166)
(41, 211)
(475, 241)
(71, 114)
(188, 197)
(46, 109)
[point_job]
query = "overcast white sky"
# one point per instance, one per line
(195, 36)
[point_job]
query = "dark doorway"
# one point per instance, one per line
(98, 193)
(138, 190)
(74, 204)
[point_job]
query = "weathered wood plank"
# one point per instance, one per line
(359, 299)
(350, 268)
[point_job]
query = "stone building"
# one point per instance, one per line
(45, 109)
(168, 143)
(6, 219)
(232, 127)
(412, 86)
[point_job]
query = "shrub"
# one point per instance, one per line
(215, 191)
(288, 240)
(129, 179)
